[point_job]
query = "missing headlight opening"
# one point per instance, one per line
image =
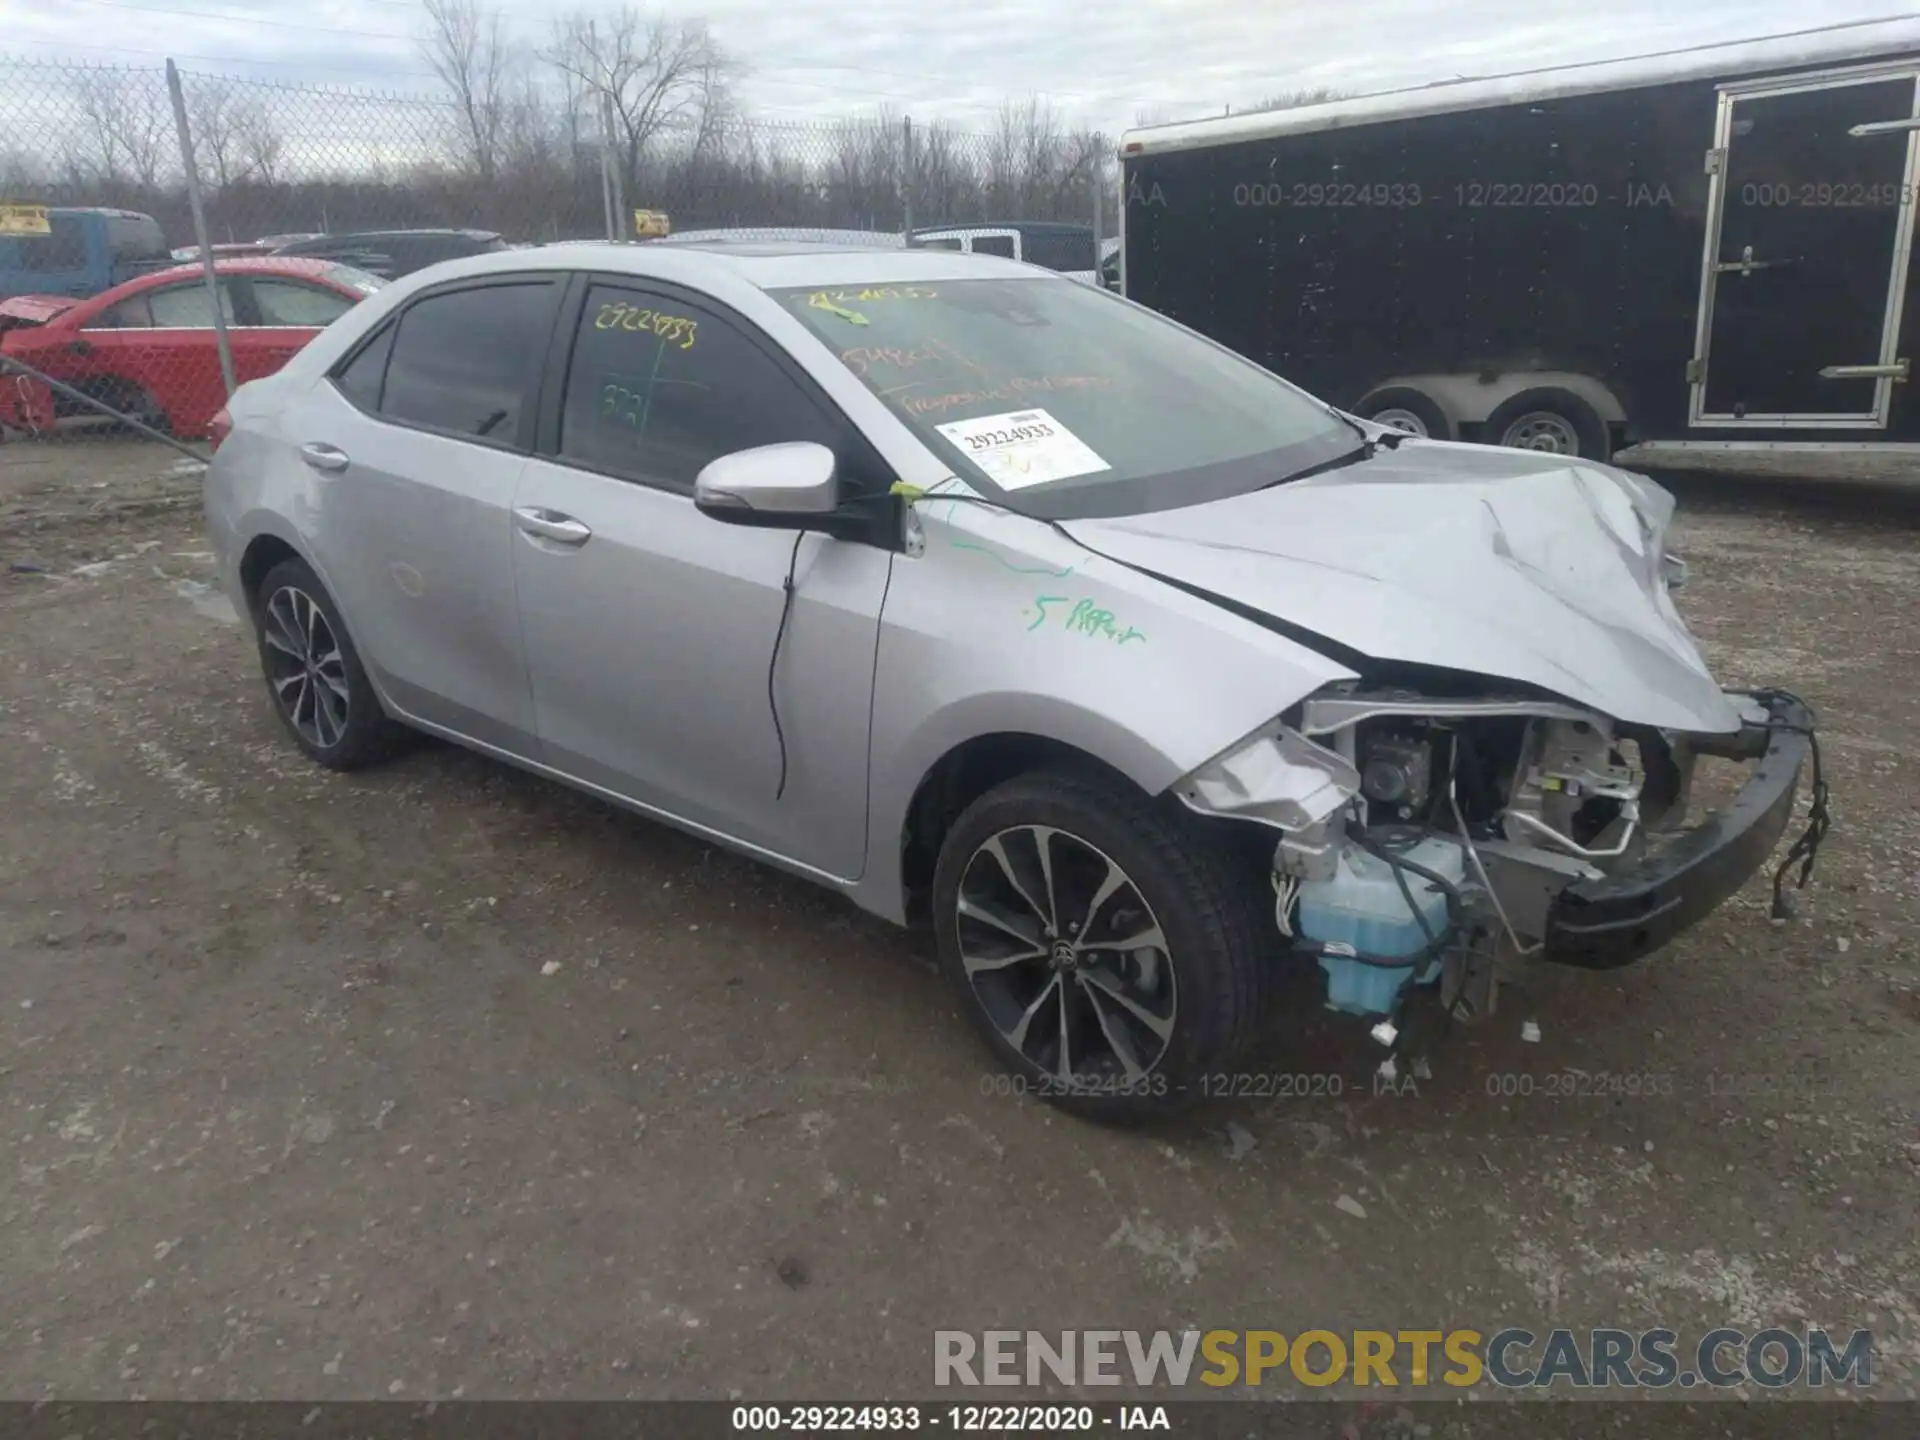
(1443, 845)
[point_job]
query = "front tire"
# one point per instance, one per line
(1104, 948)
(314, 676)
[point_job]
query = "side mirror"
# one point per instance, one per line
(793, 486)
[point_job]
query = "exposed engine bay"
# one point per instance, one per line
(1446, 842)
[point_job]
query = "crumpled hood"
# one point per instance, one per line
(1504, 563)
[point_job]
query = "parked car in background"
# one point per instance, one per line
(1057, 245)
(1110, 264)
(147, 348)
(393, 253)
(226, 250)
(82, 252)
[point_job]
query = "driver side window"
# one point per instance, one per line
(657, 388)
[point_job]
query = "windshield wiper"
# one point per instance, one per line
(1366, 450)
(1388, 437)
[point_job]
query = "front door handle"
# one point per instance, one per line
(324, 457)
(552, 525)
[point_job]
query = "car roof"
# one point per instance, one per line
(293, 265)
(1024, 227)
(761, 265)
(348, 237)
(785, 235)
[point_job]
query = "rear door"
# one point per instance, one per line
(1810, 228)
(415, 443)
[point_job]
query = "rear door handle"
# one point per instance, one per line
(324, 457)
(552, 525)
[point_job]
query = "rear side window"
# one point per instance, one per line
(656, 389)
(1066, 250)
(363, 376)
(131, 313)
(463, 361)
(62, 250)
(136, 237)
(287, 302)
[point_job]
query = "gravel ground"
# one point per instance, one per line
(442, 1080)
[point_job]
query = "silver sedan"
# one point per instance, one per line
(1006, 606)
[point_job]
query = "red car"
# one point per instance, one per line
(147, 347)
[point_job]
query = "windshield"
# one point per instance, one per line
(355, 279)
(1061, 401)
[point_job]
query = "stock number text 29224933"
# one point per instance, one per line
(959, 1419)
(1328, 194)
(988, 439)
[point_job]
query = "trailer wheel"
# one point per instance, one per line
(1555, 422)
(1411, 411)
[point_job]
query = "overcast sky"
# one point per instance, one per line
(1100, 64)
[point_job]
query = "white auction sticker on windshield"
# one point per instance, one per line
(1022, 447)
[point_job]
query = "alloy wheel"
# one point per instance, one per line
(1065, 956)
(305, 667)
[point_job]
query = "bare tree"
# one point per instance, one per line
(1036, 168)
(125, 127)
(214, 111)
(464, 48)
(260, 146)
(656, 73)
(945, 188)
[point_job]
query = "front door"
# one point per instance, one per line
(1808, 235)
(651, 629)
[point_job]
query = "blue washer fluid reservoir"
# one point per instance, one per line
(1362, 907)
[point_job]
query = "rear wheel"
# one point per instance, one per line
(1410, 411)
(319, 688)
(124, 398)
(1556, 422)
(1104, 949)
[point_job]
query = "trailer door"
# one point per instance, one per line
(1809, 229)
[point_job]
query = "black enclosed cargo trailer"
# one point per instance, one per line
(1701, 250)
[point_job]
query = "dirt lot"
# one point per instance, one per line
(441, 1080)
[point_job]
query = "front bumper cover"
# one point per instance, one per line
(1624, 916)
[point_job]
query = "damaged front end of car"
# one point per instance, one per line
(1444, 844)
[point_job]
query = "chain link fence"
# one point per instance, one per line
(97, 195)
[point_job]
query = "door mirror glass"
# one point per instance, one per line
(787, 486)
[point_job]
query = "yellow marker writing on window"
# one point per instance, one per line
(616, 315)
(822, 301)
